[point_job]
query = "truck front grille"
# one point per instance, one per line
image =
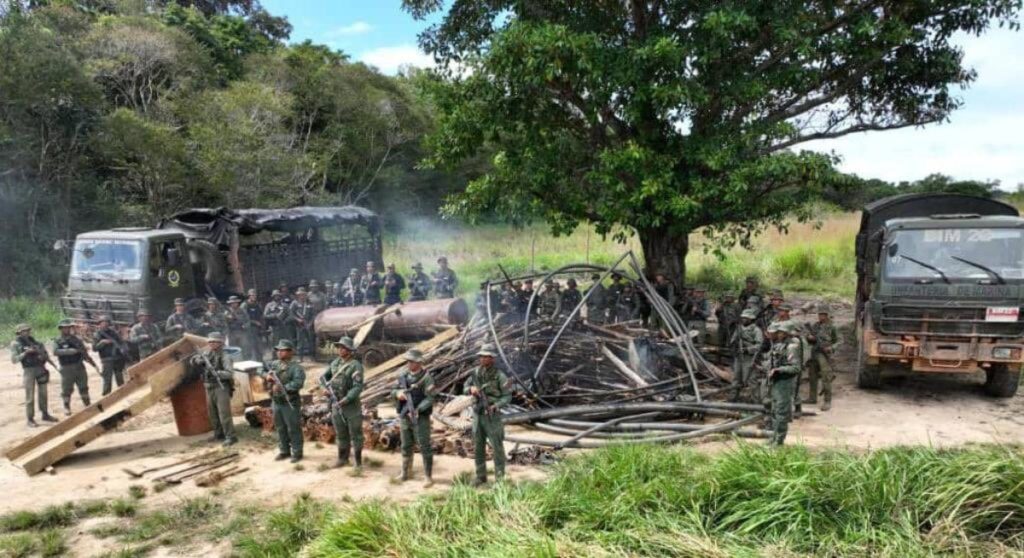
(967, 322)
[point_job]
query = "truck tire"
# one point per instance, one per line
(869, 376)
(1002, 380)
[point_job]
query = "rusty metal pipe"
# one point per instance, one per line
(417, 319)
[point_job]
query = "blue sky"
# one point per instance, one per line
(983, 140)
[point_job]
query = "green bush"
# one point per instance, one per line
(41, 314)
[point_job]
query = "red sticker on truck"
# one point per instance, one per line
(1002, 314)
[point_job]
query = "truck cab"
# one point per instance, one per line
(116, 272)
(940, 281)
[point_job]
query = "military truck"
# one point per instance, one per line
(940, 285)
(214, 252)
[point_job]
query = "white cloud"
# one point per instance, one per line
(356, 28)
(390, 59)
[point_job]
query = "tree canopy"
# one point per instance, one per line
(673, 115)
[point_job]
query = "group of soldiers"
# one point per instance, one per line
(342, 382)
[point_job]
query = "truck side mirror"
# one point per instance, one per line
(893, 249)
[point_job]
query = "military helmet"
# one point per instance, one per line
(66, 322)
(488, 349)
(789, 326)
(284, 345)
(749, 313)
(823, 309)
(775, 326)
(22, 328)
(233, 299)
(179, 301)
(413, 355)
(215, 337)
(346, 342)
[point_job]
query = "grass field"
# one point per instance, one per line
(813, 258)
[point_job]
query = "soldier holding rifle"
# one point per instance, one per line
(219, 379)
(414, 398)
(113, 353)
(33, 358)
(491, 391)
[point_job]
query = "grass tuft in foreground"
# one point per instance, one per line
(653, 501)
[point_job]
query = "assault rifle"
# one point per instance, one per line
(332, 398)
(274, 378)
(409, 410)
(211, 369)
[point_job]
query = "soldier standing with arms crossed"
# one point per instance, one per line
(180, 322)
(33, 356)
(393, 285)
(344, 378)
(72, 356)
(419, 284)
(824, 339)
(370, 284)
(219, 379)
(414, 400)
(445, 281)
(285, 379)
(786, 361)
(491, 391)
(351, 295)
(146, 335)
(113, 354)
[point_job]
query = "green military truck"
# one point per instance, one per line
(213, 252)
(940, 285)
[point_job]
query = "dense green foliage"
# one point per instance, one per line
(749, 501)
(672, 115)
(115, 113)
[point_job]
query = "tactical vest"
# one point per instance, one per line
(32, 361)
(415, 394)
(69, 343)
(112, 350)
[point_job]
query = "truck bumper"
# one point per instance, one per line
(949, 356)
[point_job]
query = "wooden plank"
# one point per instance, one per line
(138, 378)
(369, 323)
(424, 346)
(626, 370)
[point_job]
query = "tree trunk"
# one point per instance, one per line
(665, 252)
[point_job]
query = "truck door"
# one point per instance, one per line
(170, 275)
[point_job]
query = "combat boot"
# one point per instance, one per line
(67, 407)
(406, 469)
(342, 460)
(826, 405)
(428, 471)
(359, 460)
(478, 481)
(31, 423)
(49, 418)
(86, 401)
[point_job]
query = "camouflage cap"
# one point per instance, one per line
(700, 289)
(300, 291)
(212, 300)
(284, 345)
(417, 265)
(775, 326)
(283, 285)
(391, 266)
(215, 337)
(313, 283)
(66, 322)
(824, 309)
(749, 313)
(234, 299)
(346, 342)
(785, 308)
(354, 271)
(751, 279)
(571, 282)
(179, 301)
(371, 262)
(776, 295)
(275, 294)
(21, 328)
(143, 312)
(251, 292)
(413, 355)
(442, 259)
(488, 349)
(103, 318)
(328, 283)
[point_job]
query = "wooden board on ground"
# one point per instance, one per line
(370, 323)
(425, 347)
(151, 380)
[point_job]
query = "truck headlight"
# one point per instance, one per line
(1005, 353)
(890, 348)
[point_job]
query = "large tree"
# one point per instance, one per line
(672, 115)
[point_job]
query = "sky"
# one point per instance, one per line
(984, 140)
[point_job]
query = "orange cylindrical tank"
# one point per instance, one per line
(190, 411)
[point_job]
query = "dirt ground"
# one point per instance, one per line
(939, 411)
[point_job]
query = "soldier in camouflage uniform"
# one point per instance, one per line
(146, 335)
(699, 311)
(626, 305)
(491, 391)
(728, 315)
(414, 401)
(597, 301)
(218, 373)
(770, 313)
(301, 315)
(746, 343)
(72, 355)
(570, 298)
(785, 363)
(257, 326)
(213, 319)
(419, 283)
(525, 294)
(113, 353)
(287, 326)
(393, 285)
(275, 314)
(239, 325)
(370, 284)
(550, 300)
(33, 356)
(344, 379)
(285, 379)
(445, 280)
(316, 297)
(751, 294)
(823, 338)
(180, 322)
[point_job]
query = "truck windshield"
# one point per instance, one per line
(965, 255)
(107, 259)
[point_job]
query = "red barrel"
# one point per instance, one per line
(190, 411)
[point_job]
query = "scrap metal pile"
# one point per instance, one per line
(588, 385)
